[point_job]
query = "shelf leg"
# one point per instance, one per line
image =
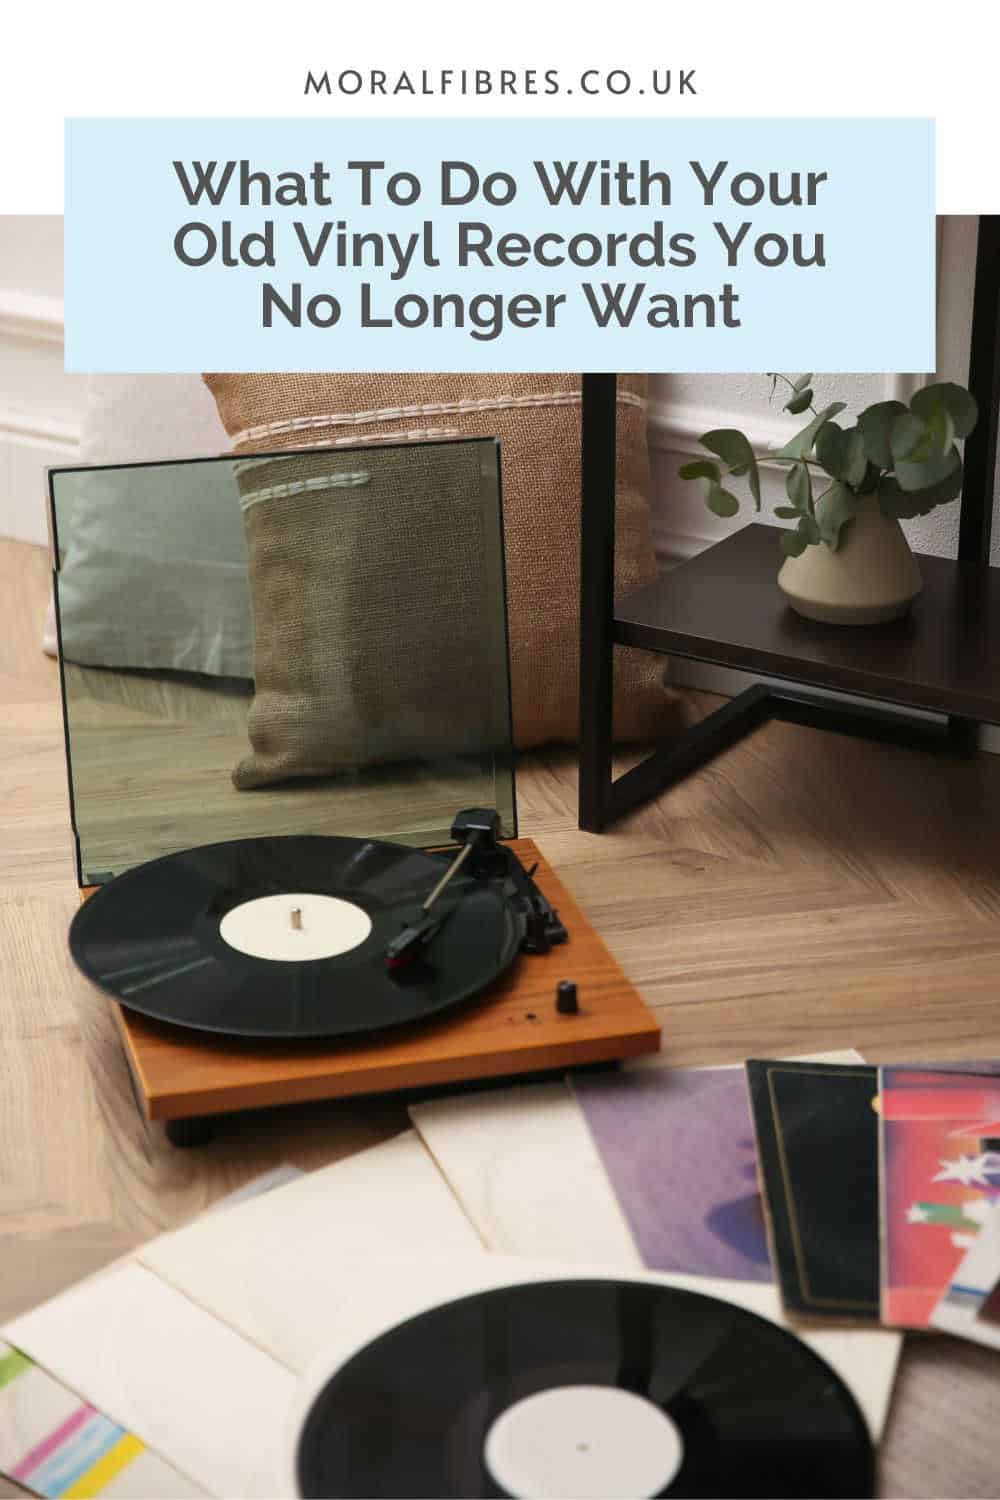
(754, 707)
(597, 596)
(692, 749)
(976, 510)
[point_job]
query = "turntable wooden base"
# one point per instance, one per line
(512, 1028)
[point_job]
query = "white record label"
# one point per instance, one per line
(295, 927)
(583, 1441)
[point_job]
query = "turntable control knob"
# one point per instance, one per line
(566, 1001)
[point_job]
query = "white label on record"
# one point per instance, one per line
(295, 927)
(583, 1441)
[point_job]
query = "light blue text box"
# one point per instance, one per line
(131, 305)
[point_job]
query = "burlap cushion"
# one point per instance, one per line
(376, 580)
(537, 420)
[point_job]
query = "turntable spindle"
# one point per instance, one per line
(297, 918)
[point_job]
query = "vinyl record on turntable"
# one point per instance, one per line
(287, 937)
(583, 1388)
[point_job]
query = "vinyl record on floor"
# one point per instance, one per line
(579, 1388)
(286, 937)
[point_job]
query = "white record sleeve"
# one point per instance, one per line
(524, 1167)
(266, 1267)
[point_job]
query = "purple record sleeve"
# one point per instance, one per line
(678, 1148)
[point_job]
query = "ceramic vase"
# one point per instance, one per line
(872, 576)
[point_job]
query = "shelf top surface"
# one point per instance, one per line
(724, 606)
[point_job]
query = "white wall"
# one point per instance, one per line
(40, 406)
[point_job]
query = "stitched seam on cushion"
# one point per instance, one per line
(433, 408)
(413, 435)
(300, 486)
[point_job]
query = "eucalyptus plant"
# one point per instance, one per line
(905, 455)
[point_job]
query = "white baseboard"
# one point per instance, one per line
(24, 315)
(676, 426)
(28, 446)
(30, 440)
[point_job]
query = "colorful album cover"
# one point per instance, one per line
(817, 1149)
(54, 1444)
(967, 1306)
(678, 1149)
(940, 1177)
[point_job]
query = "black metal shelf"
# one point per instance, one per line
(724, 607)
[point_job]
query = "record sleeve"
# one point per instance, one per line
(817, 1140)
(939, 1178)
(678, 1147)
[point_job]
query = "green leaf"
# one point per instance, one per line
(906, 434)
(787, 512)
(722, 502)
(834, 508)
(799, 487)
(800, 402)
(793, 543)
(842, 454)
(716, 498)
(801, 444)
(700, 468)
(933, 439)
(875, 423)
(806, 534)
(905, 504)
(923, 476)
(941, 430)
(869, 484)
(954, 399)
(854, 460)
(733, 447)
(829, 449)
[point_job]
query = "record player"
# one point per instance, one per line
(286, 690)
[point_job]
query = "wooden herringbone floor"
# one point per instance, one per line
(804, 892)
